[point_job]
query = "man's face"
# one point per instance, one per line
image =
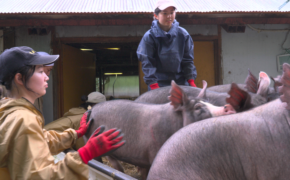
(47, 69)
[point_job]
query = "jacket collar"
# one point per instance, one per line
(9, 105)
(158, 32)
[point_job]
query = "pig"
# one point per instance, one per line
(159, 96)
(147, 126)
(253, 85)
(250, 85)
(249, 145)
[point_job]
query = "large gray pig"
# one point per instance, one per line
(250, 145)
(147, 126)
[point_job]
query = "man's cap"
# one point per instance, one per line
(45, 54)
(11, 60)
(163, 4)
(96, 97)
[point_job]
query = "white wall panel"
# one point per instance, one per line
(254, 50)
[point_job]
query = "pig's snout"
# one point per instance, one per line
(220, 110)
(223, 110)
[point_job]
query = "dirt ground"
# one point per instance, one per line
(129, 169)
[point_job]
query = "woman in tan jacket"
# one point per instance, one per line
(25, 148)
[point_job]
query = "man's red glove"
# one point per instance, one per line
(84, 124)
(101, 144)
(191, 82)
(154, 86)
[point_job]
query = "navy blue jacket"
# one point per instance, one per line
(166, 57)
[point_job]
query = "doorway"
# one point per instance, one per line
(78, 76)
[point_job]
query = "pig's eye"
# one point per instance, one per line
(197, 106)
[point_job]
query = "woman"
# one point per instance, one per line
(166, 50)
(26, 149)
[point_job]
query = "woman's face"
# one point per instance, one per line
(38, 81)
(166, 17)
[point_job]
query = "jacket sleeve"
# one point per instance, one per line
(58, 142)
(29, 156)
(187, 65)
(145, 53)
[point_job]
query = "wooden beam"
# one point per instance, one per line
(129, 39)
(100, 39)
(138, 21)
(55, 45)
(204, 38)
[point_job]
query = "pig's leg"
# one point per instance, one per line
(144, 172)
(115, 163)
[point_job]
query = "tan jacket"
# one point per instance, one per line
(26, 149)
(71, 119)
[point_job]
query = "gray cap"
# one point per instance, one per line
(11, 60)
(45, 54)
(96, 97)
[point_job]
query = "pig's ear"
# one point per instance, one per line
(263, 84)
(277, 82)
(239, 99)
(177, 97)
(202, 93)
(284, 90)
(251, 82)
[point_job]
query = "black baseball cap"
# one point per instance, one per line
(11, 60)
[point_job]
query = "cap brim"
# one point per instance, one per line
(43, 60)
(164, 6)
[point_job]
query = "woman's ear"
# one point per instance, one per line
(155, 16)
(18, 79)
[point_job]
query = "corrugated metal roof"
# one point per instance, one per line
(139, 6)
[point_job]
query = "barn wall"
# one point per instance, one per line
(38, 43)
(252, 49)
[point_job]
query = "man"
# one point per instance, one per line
(71, 119)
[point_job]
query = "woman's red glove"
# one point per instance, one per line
(101, 144)
(84, 124)
(154, 86)
(191, 82)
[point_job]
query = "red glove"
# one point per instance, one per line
(191, 82)
(101, 144)
(154, 86)
(84, 124)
